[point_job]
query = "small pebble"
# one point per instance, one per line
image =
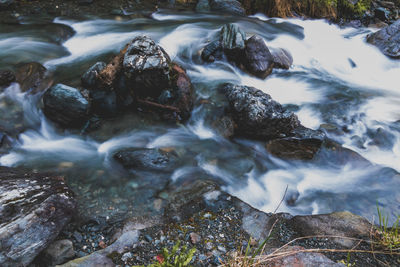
(195, 238)
(126, 256)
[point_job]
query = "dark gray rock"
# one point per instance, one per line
(257, 115)
(65, 105)
(227, 6)
(6, 78)
(282, 58)
(387, 40)
(146, 65)
(212, 51)
(58, 252)
(147, 159)
(257, 57)
(33, 210)
(89, 77)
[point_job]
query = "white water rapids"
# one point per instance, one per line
(336, 79)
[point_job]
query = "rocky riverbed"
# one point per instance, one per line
(129, 126)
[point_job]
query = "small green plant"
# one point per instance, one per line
(177, 257)
(347, 262)
(388, 237)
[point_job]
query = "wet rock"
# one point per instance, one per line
(257, 115)
(227, 6)
(294, 148)
(58, 252)
(203, 6)
(58, 32)
(225, 126)
(232, 40)
(147, 159)
(65, 105)
(387, 40)
(6, 78)
(181, 93)
(212, 51)
(34, 209)
(297, 258)
(342, 224)
(282, 58)
(32, 77)
(89, 78)
(382, 14)
(146, 65)
(104, 103)
(258, 59)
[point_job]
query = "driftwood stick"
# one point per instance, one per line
(157, 106)
(108, 75)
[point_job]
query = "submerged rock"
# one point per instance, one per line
(257, 115)
(65, 105)
(146, 65)
(34, 208)
(294, 148)
(387, 40)
(258, 59)
(6, 78)
(32, 77)
(147, 159)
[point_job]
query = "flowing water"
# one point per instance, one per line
(338, 82)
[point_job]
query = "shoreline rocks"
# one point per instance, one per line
(387, 40)
(34, 209)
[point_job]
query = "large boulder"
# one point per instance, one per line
(257, 115)
(387, 40)
(66, 106)
(34, 208)
(258, 59)
(146, 65)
